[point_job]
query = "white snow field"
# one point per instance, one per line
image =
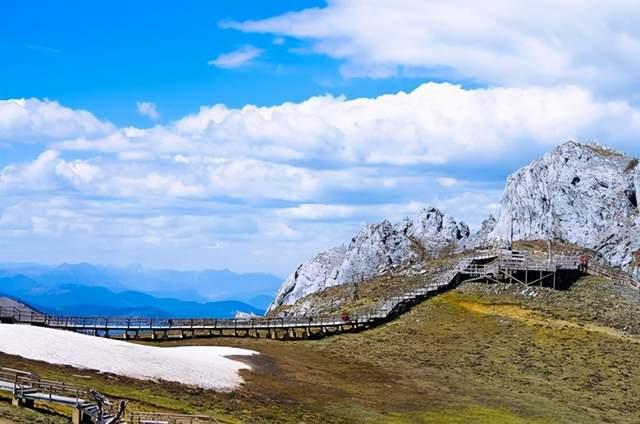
(203, 366)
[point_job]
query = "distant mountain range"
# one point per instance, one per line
(86, 289)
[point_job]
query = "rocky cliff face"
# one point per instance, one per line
(578, 193)
(378, 248)
(319, 273)
(583, 194)
(484, 236)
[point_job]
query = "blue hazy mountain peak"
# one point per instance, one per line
(88, 289)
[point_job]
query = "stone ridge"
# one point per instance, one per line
(377, 249)
(584, 194)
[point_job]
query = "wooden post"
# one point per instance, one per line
(77, 416)
(22, 403)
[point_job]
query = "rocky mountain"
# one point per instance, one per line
(376, 249)
(584, 194)
(484, 236)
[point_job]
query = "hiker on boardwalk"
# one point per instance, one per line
(584, 263)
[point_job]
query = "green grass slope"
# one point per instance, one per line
(478, 354)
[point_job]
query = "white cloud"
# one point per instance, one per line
(148, 109)
(293, 178)
(447, 181)
(33, 120)
(315, 211)
(502, 42)
(434, 124)
(237, 58)
(50, 172)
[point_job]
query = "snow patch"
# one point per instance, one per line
(204, 366)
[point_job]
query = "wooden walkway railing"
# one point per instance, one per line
(598, 268)
(168, 418)
(492, 265)
(275, 328)
(27, 388)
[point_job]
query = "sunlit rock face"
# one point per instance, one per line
(584, 194)
(317, 274)
(377, 249)
(483, 237)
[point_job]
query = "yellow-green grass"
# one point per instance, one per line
(468, 356)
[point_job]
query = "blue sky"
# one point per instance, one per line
(105, 57)
(253, 134)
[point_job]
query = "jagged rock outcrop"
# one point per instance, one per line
(483, 237)
(583, 194)
(377, 249)
(317, 274)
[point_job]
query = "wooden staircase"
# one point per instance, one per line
(596, 267)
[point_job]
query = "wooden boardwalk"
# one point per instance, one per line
(27, 388)
(491, 265)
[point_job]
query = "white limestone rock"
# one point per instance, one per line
(434, 231)
(583, 194)
(377, 249)
(317, 274)
(482, 238)
(636, 178)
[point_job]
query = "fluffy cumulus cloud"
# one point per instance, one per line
(33, 120)
(233, 186)
(237, 58)
(148, 109)
(434, 124)
(502, 42)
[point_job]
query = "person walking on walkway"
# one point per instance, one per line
(584, 263)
